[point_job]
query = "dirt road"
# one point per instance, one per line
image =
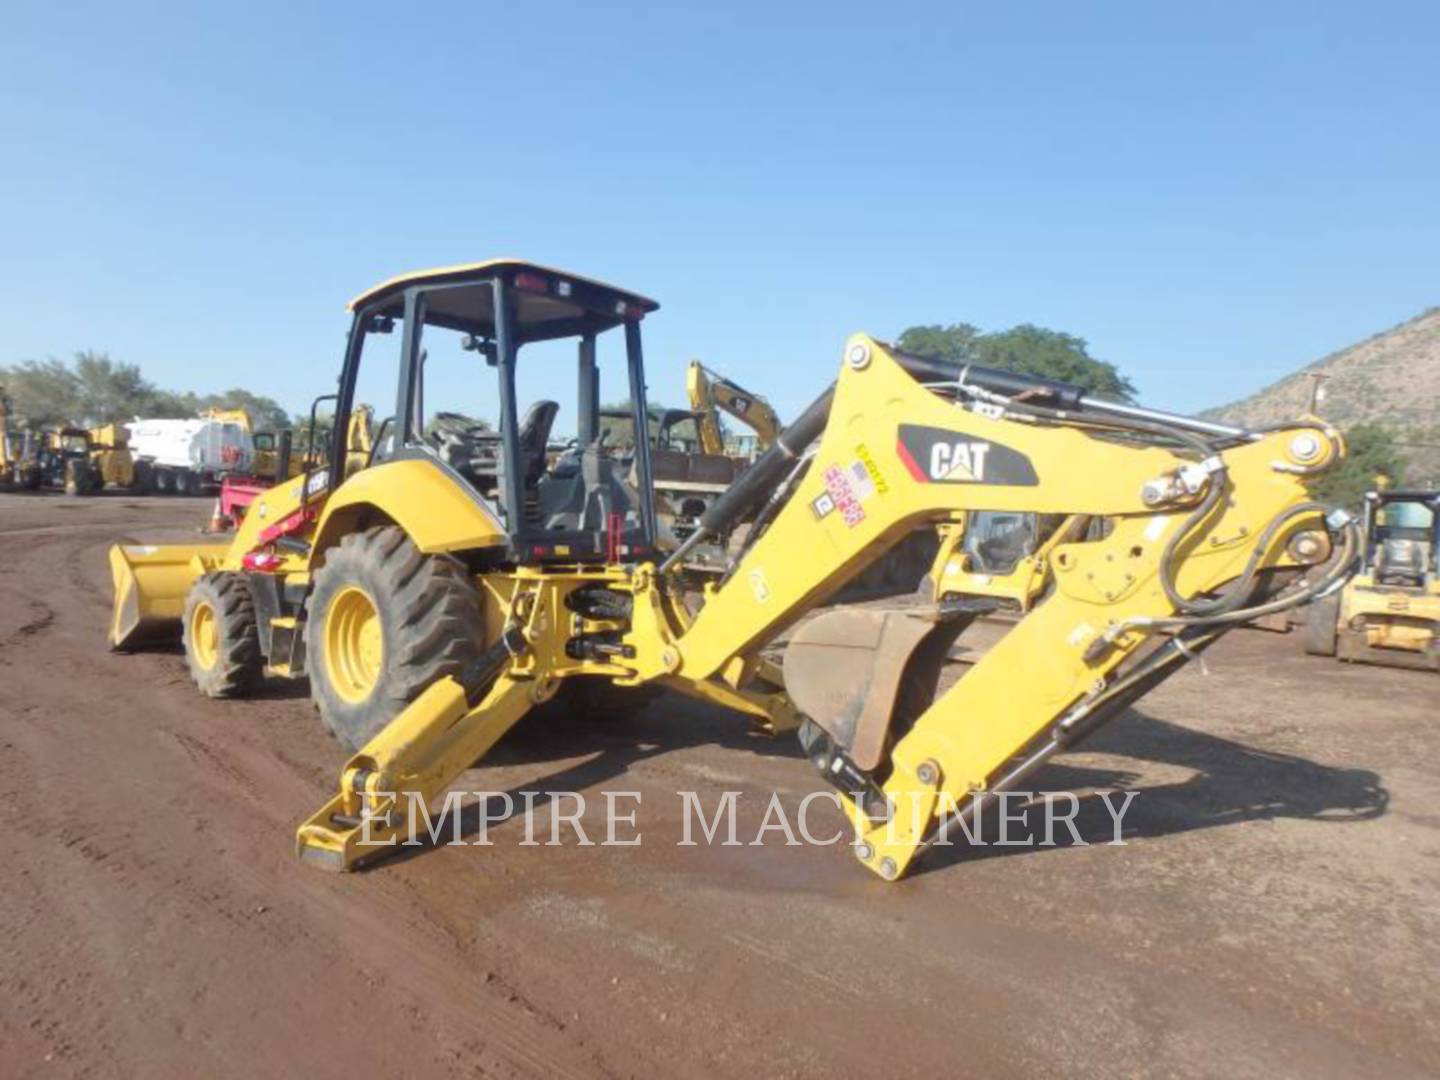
(1274, 912)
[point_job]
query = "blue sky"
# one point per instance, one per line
(1210, 194)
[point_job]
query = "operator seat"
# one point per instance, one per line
(535, 437)
(1400, 562)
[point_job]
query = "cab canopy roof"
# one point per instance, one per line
(549, 303)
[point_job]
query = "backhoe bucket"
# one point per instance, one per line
(151, 584)
(857, 671)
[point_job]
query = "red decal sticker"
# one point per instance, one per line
(903, 452)
(838, 486)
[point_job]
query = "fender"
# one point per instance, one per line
(423, 498)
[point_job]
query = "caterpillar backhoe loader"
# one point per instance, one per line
(434, 598)
(1389, 612)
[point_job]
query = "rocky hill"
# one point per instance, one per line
(1391, 379)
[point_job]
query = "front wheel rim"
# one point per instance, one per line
(204, 635)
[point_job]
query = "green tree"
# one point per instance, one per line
(1028, 349)
(93, 389)
(1372, 453)
(45, 393)
(110, 391)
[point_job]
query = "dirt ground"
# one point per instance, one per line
(1273, 912)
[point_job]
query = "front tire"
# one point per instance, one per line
(222, 645)
(382, 624)
(1322, 626)
(77, 478)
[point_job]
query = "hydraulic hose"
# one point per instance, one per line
(1240, 590)
(758, 481)
(1339, 571)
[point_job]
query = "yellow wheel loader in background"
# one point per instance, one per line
(84, 461)
(113, 463)
(1389, 612)
(438, 594)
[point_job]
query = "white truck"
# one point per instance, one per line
(190, 457)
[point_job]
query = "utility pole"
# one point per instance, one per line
(1317, 390)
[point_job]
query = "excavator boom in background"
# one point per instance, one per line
(19, 452)
(437, 595)
(711, 393)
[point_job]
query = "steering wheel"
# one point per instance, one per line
(460, 426)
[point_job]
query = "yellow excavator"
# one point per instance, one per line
(434, 598)
(711, 393)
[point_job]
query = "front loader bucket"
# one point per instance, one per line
(150, 588)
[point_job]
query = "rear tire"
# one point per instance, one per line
(382, 624)
(222, 644)
(1322, 626)
(144, 478)
(184, 483)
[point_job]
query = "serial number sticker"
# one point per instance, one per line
(872, 471)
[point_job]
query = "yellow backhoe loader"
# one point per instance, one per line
(435, 596)
(1389, 612)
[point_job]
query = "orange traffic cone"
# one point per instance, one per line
(219, 523)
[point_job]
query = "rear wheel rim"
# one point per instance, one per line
(354, 644)
(204, 636)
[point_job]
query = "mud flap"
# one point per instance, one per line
(151, 584)
(856, 673)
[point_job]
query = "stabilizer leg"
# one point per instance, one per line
(386, 789)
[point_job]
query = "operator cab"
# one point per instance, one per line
(464, 333)
(1403, 536)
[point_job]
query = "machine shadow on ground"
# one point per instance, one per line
(668, 723)
(1230, 783)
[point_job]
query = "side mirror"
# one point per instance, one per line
(471, 343)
